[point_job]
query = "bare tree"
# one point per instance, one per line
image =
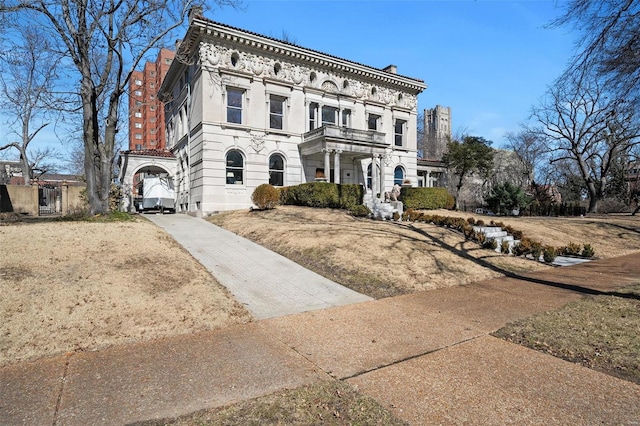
(104, 41)
(609, 45)
(580, 124)
(528, 146)
(28, 72)
(422, 149)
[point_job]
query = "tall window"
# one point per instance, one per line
(399, 132)
(235, 167)
(276, 112)
(329, 115)
(398, 175)
(373, 121)
(313, 108)
(234, 105)
(276, 170)
(346, 118)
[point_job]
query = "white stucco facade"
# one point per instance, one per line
(243, 109)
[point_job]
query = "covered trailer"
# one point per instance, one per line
(158, 193)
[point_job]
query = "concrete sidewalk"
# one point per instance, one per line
(267, 284)
(427, 356)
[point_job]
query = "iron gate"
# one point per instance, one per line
(50, 200)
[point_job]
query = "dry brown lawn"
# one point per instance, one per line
(77, 286)
(74, 286)
(389, 258)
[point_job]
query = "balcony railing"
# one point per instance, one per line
(347, 134)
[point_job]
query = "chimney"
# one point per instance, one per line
(391, 69)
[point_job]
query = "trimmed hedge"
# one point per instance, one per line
(322, 194)
(426, 198)
(265, 197)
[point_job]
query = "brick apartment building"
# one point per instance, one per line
(146, 112)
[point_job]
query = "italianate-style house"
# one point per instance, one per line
(242, 109)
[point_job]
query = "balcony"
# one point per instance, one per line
(344, 134)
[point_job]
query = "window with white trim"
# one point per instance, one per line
(137, 114)
(346, 118)
(276, 170)
(313, 115)
(373, 121)
(329, 115)
(138, 125)
(276, 111)
(398, 175)
(234, 105)
(235, 167)
(399, 132)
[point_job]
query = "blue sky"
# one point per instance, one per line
(490, 61)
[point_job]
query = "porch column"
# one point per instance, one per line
(327, 164)
(374, 177)
(336, 166)
(382, 191)
(428, 182)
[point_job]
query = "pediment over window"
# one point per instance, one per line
(329, 87)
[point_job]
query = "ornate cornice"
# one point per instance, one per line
(202, 29)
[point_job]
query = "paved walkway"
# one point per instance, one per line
(267, 284)
(428, 357)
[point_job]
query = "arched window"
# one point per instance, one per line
(235, 167)
(276, 170)
(398, 175)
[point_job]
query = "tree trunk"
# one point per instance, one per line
(92, 155)
(26, 167)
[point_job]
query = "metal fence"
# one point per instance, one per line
(50, 200)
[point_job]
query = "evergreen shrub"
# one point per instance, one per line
(265, 197)
(322, 194)
(426, 198)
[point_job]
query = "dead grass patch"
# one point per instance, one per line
(377, 258)
(599, 332)
(74, 286)
(326, 403)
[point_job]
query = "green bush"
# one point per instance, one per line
(359, 210)
(322, 194)
(491, 244)
(536, 250)
(588, 251)
(523, 247)
(549, 254)
(426, 198)
(572, 249)
(265, 196)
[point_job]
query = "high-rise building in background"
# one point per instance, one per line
(437, 130)
(146, 112)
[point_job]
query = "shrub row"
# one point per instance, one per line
(323, 194)
(563, 209)
(526, 246)
(426, 198)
